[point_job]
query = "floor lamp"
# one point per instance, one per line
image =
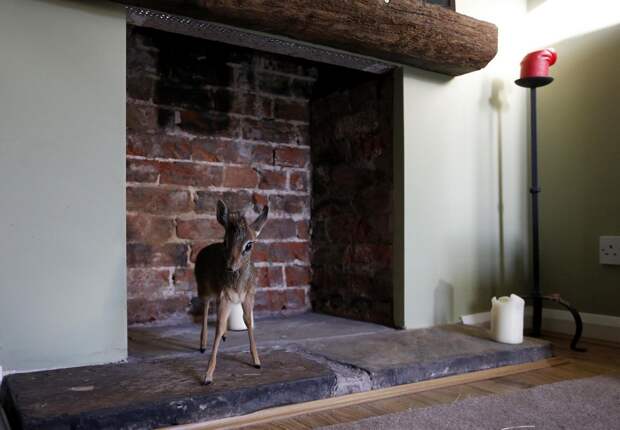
(534, 74)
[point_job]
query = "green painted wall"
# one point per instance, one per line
(62, 170)
(579, 118)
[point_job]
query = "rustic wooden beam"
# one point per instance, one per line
(409, 32)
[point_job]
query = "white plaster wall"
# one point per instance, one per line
(62, 179)
(465, 179)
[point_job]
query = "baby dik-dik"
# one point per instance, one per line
(224, 273)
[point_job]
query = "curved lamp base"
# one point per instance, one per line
(555, 298)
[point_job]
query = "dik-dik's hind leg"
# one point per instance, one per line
(223, 311)
(204, 332)
(248, 306)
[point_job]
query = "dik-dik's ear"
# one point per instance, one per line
(258, 224)
(222, 213)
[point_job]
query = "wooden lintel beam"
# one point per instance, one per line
(408, 32)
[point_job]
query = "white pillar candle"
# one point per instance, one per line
(235, 320)
(507, 319)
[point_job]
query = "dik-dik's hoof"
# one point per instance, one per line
(202, 350)
(257, 366)
(207, 381)
(223, 338)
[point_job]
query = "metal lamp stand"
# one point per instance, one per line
(536, 296)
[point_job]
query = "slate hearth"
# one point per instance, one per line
(304, 358)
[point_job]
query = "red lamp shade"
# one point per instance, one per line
(536, 64)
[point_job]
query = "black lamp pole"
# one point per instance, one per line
(536, 296)
(534, 191)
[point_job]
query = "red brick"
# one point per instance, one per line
(303, 229)
(242, 102)
(158, 201)
(292, 157)
(302, 135)
(157, 215)
(272, 180)
(279, 229)
(259, 201)
(159, 146)
(146, 282)
(270, 301)
(145, 255)
(142, 171)
(206, 201)
(143, 310)
(148, 229)
(282, 252)
(297, 275)
(375, 200)
(274, 84)
(264, 107)
(219, 150)
(202, 99)
(140, 61)
(199, 229)
(299, 181)
(190, 174)
(240, 177)
(267, 130)
(341, 228)
(290, 300)
(184, 280)
(269, 276)
(302, 88)
(140, 87)
(286, 65)
(350, 178)
(369, 254)
(141, 117)
(289, 204)
(211, 124)
(291, 110)
(262, 154)
(296, 299)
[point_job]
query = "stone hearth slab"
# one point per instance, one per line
(408, 356)
(151, 394)
(304, 358)
(147, 342)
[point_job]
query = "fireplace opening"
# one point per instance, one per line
(208, 121)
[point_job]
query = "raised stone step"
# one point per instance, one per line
(403, 357)
(166, 392)
(148, 393)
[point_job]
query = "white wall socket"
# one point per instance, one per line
(609, 250)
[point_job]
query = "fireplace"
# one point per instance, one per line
(208, 121)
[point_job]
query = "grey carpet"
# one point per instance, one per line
(591, 403)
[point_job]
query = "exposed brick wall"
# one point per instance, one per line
(208, 121)
(352, 199)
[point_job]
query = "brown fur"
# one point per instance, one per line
(224, 273)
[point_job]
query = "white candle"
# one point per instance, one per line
(507, 319)
(235, 320)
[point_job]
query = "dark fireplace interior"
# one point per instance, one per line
(209, 121)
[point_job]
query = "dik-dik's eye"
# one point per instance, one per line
(247, 247)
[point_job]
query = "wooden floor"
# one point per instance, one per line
(601, 358)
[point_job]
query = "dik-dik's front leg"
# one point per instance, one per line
(223, 311)
(248, 306)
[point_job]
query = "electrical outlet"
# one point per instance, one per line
(609, 250)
